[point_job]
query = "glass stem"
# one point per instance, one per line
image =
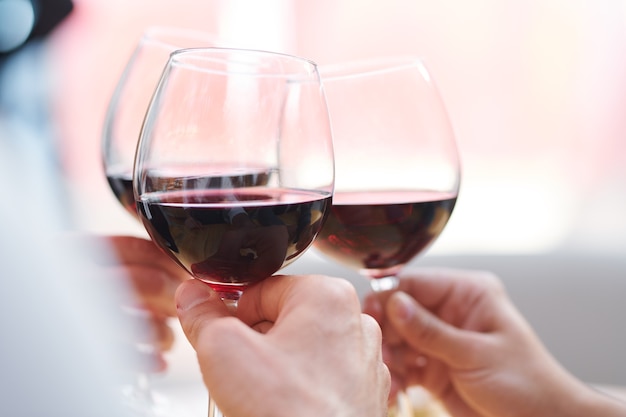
(403, 403)
(384, 283)
(231, 299)
(143, 388)
(213, 410)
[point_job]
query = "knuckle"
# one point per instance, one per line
(372, 328)
(489, 281)
(338, 290)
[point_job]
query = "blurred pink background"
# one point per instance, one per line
(536, 91)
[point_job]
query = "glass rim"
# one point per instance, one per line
(372, 66)
(218, 54)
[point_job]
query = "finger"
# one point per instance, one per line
(135, 250)
(373, 305)
(263, 326)
(433, 376)
(197, 305)
(396, 386)
(220, 341)
(148, 281)
(373, 344)
(372, 333)
(279, 295)
(395, 362)
(390, 335)
(128, 252)
(163, 334)
(431, 287)
(263, 302)
(424, 331)
(150, 288)
(153, 288)
(402, 358)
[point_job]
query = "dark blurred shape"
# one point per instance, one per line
(24, 20)
(17, 18)
(27, 124)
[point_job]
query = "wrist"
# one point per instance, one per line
(596, 403)
(564, 395)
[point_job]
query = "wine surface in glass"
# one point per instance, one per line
(122, 187)
(233, 238)
(378, 232)
(122, 184)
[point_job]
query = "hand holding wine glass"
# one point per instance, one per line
(397, 167)
(273, 356)
(234, 168)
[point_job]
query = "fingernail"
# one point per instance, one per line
(191, 293)
(402, 305)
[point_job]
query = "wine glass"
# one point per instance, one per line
(120, 134)
(234, 168)
(397, 166)
(130, 99)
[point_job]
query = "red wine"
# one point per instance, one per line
(233, 238)
(379, 232)
(122, 184)
(122, 187)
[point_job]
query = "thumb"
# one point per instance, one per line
(197, 305)
(425, 332)
(220, 341)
